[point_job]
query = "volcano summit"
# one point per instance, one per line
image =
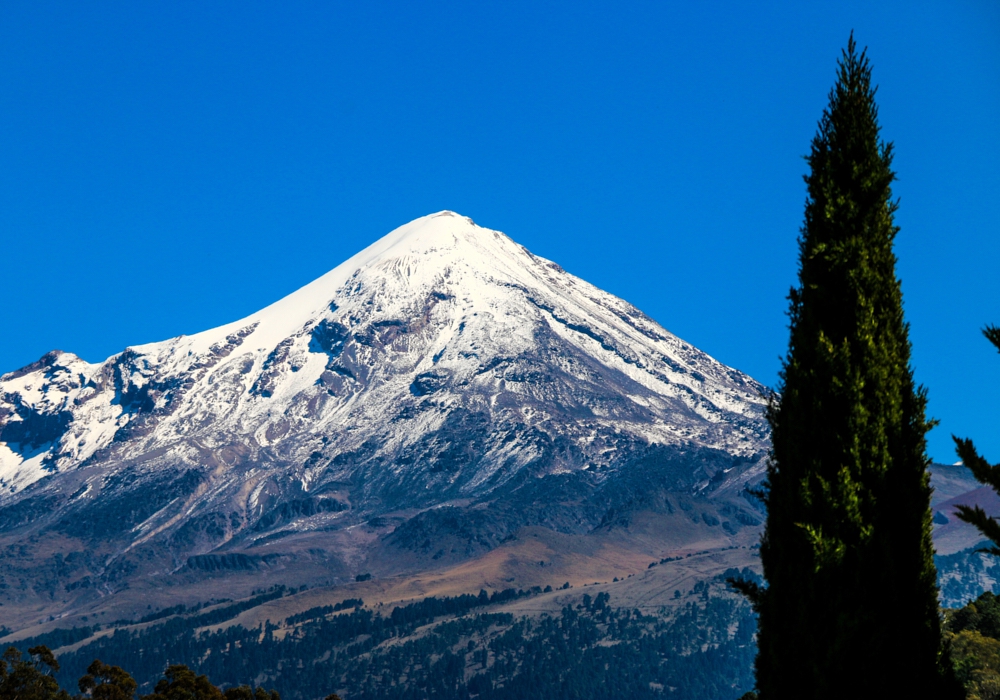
(416, 407)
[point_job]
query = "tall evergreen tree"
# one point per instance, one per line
(850, 608)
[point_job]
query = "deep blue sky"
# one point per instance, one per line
(169, 167)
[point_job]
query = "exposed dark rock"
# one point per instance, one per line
(233, 561)
(271, 369)
(126, 505)
(47, 360)
(28, 510)
(34, 429)
(472, 530)
(329, 337)
(428, 383)
(297, 508)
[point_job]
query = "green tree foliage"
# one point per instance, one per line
(973, 633)
(104, 682)
(181, 683)
(977, 662)
(29, 678)
(850, 609)
(983, 471)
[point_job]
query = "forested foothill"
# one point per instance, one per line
(446, 647)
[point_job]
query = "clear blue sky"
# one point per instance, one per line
(171, 166)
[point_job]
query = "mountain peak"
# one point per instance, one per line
(441, 378)
(435, 234)
(438, 306)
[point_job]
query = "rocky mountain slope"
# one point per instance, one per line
(415, 408)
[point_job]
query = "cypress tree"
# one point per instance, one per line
(850, 608)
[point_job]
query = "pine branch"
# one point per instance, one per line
(989, 527)
(992, 334)
(750, 590)
(984, 472)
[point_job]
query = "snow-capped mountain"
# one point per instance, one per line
(444, 366)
